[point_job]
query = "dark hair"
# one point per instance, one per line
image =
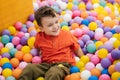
(44, 11)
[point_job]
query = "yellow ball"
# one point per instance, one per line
(93, 26)
(102, 53)
(7, 72)
(116, 44)
(80, 64)
(70, 5)
(40, 78)
(98, 44)
(4, 60)
(4, 49)
(12, 30)
(65, 28)
(115, 76)
(31, 41)
(25, 49)
(95, 1)
(84, 59)
(63, 13)
(82, 6)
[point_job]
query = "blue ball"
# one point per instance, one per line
(74, 69)
(105, 71)
(7, 65)
(85, 22)
(5, 39)
(10, 78)
(93, 78)
(64, 24)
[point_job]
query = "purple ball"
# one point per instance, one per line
(109, 47)
(108, 35)
(6, 32)
(6, 55)
(84, 51)
(81, 43)
(34, 52)
(117, 29)
(89, 6)
(33, 33)
(111, 1)
(23, 29)
(89, 42)
(23, 40)
(91, 18)
(75, 7)
(31, 17)
(85, 38)
(117, 67)
(29, 24)
(77, 20)
(115, 54)
(105, 62)
(107, 29)
(91, 34)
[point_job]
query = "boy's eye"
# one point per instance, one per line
(50, 25)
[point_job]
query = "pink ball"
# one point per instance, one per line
(22, 65)
(89, 66)
(36, 59)
(20, 34)
(0, 70)
(2, 77)
(85, 30)
(18, 47)
(78, 32)
(104, 77)
(18, 25)
(76, 13)
(16, 40)
(1, 45)
(95, 59)
(110, 57)
(98, 36)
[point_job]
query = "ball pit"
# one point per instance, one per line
(96, 25)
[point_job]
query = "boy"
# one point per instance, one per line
(56, 46)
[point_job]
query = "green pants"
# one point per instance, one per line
(54, 71)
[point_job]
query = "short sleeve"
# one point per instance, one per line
(75, 44)
(36, 41)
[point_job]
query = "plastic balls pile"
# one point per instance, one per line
(96, 25)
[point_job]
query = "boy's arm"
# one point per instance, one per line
(79, 52)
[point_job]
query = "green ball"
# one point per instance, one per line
(91, 48)
(5, 39)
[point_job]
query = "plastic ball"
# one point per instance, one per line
(108, 35)
(74, 26)
(85, 75)
(13, 52)
(89, 66)
(77, 20)
(5, 39)
(34, 52)
(23, 40)
(91, 48)
(93, 78)
(116, 43)
(105, 63)
(16, 40)
(85, 38)
(16, 72)
(78, 32)
(40, 78)
(95, 59)
(36, 59)
(64, 23)
(117, 67)
(27, 57)
(1, 70)
(18, 25)
(115, 76)
(7, 72)
(104, 77)
(117, 29)
(2, 77)
(102, 53)
(9, 45)
(81, 43)
(91, 34)
(63, 6)
(33, 33)
(15, 62)
(95, 72)
(25, 49)
(67, 17)
(99, 66)
(92, 26)
(18, 47)
(6, 32)
(10, 78)
(85, 22)
(22, 65)
(4, 60)
(31, 17)
(1, 45)
(19, 55)
(4, 50)
(80, 64)
(89, 6)
(29, 24)
(74, 76)
(84, 59)
(7, 55)
(115, 54)
(20, 34)
(31, 41)
(7, 65)
(84, 14)
(74, 69)
(12, 30)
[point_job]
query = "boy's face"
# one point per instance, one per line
(50, 25)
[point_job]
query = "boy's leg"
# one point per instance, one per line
(33, 71)
(57, 72)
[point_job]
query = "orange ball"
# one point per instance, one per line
(74, 26)
(109, 23)
(95, 72)
(111, 69)
(84, 14)
(31, 28)
(27, 57)
(19, 55)
(16, 72)
(74, 76)
(14, 62)
(100, 17)
(104, 39)
(67, 77)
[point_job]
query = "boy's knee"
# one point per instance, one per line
(29, 66)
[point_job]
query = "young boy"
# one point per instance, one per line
(57, 47)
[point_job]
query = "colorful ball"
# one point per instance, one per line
(102, 53)
(7, 72)
(9, 45)
(93, 26)
(74, 69)
(105, 62)
(117, 68)
(16, 73)
(40, 78)
(104, 77)
(25, 49)
(115, 76)
(84, 59)
(80, 64)
(4, 60)
(18, 25)
(31, 41)
(91, 48)
(16, 40)
(85, 75)
(7, 65)
(115, 54)
(22, 65)
(2, 77)
(10, 78)
(5, 39)
(85, 38)
(27, 57)
(85, 22)
(89, 66)
(12, 30)
(93, 78)
(14, 62)
(95, 59)
(7, 55)
(78, 32)
(95, 72)
(36, 59)
(19, 55)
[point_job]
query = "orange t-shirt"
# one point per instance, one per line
(58, 48)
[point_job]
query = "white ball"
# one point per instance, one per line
(99, 66)
(107, 18)
(96, 5)
(77, 58)
(112, 40)
(27, 35)
(67, 17)
(63, 5)
(99, 30)
(85, 74)
(9, 45)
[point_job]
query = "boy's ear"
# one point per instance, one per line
(41, 28)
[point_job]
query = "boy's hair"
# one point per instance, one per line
(44, 12)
